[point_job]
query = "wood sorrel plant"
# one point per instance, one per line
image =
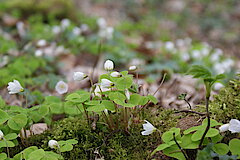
(114, 98)
(175, 144)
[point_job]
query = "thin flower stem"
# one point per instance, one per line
(183, 152)
(163, 79)
(7, 147)
(137, 76)
(107, 121)
(86, 113)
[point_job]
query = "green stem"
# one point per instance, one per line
(183, 152)
(208, 92)
(7, 147)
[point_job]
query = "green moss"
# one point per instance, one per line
(226, 105)
(101, 143)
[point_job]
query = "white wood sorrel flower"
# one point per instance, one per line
(53, 144)
(1, 135)
(233, 126)
(61, 87)
(148, 127)
(115, 74)
(132, 68)
(14, 87)
(105, 83)
(108, 65)
(78, 76)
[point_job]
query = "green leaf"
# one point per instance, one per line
(119, 102)
(192, 129)
(216, 138)
(213, 123)
(56, 108)
(124, 82)
(198, 71)
(73, 109)
(160, 147)
(117, 95)
(17, 122)
(78, 97)
(72, 141)
(43, 110)
(9, 144)
(109, 105)
(187, 143)
(234, 146)
(11, 136)
(92, 103)
(97, 108)
(52, 99)
(174, 152)
(3, 117)
(220, 76)
(3, 156)
(152, 99)
(199, 133)
(221, 148)
(37, 154)
(167, 136)
(65, 148)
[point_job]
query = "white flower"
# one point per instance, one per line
(105, 83)
(77, 31)
(169, 45)
(53, 144)
(78, 76)
(14, 87)
(185, 56)
(84, 27)
(132, 68)
(196, 54)
(1, 135)
(99, 89)
(41, 43)
(61, 87)
(56, 29)
(101, 22)
(38, 53)
(108, 65)
(127, 94)
(234, 126)
(106, 32)
(115, 74)
(217, 86)
(65, 23)
(224, 128)
(148, 127)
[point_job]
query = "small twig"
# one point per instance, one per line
(183, 152)
(191, 111)
(190, 107)
(163, 79)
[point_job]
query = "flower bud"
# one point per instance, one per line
(115, 74)
(108, 65)
(106, 83)
(78, 76)
(53, 144)
(132, 68)
(1, 135)
(224, 128)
